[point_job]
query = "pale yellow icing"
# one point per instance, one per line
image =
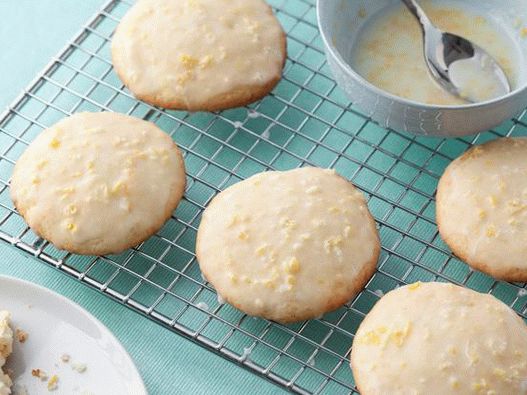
(98, 181)
(197, 51)
(482, 206)
(436, 339)
(284, 245)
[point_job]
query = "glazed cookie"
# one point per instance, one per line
(288, 246)
(6, 347)
(482, 208)
(98, 183)
(199, 55)
(436, 339)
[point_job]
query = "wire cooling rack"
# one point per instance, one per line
(305, 121)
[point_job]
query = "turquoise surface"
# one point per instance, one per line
(306, 121)
(31, 33)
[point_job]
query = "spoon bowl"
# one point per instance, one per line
(341, 25)
(459, 66)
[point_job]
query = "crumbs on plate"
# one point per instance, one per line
(53, 383)
(76, 366)
(79, 367)
(53, 380)
(39, 373)
(21, 335)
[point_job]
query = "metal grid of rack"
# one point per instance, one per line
(305, 121)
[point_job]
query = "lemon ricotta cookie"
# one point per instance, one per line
(6, 348)
(199, 55)
(288, 246)
(482, 208)
(437, 339)
(98, 183)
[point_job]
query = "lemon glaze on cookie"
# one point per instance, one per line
(98, 183)
(482, 208)
(436, 339)
(289, 245)
(199, 54)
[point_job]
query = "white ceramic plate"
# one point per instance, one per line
(57, 326)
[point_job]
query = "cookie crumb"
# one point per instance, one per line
(79, 367)
(39, 373)
(53, 383)
(65, 358)
(21, 335)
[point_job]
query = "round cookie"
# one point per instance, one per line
(199, 55)
(482, 208)
(288, 246)
(98, 183)
(436, 339)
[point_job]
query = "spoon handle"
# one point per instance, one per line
(419, 13)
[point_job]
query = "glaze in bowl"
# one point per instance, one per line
(340, 23)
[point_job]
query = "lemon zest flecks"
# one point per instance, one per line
(293, 266)
(188, 61)
(385, 336)
(54, 143)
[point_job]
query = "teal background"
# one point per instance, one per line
(31, 33)
(306, 121)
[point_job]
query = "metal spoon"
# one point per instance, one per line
(455, 63)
